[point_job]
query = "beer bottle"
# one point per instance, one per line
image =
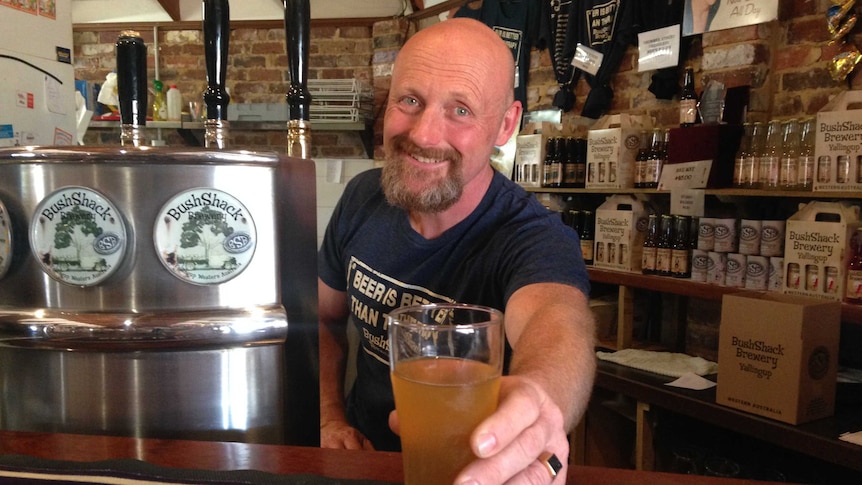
(663, 248)
(688, 100)
(654, 160)
(570, 177)
(547, 166)
(680, 258)
(770, 163)
(853, 288)
(741, 155)
(805, 163)
(788, 171)
(650, 245)
(580, 152)
(641, 160)
(557, 163)
(587, 238)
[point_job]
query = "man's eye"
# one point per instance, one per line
(410, 101)
(461, 111)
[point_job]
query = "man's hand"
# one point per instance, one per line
(337, 434)
(526, 424)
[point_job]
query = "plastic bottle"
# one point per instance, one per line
(160, 104)
(175, 103)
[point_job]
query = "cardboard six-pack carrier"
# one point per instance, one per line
(612, 146)
(620, 228)
(778, 355)
(838, 144)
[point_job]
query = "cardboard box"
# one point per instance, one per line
(778, 355)
(621, 223)
(530, 152)
(612, 146)
(816, 249)
(715, 143)
(838, 144)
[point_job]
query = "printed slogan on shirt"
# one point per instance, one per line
(372, 295)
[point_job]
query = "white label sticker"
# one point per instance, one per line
(205, 236)
(587, 59)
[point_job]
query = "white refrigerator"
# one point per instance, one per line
(37, 79)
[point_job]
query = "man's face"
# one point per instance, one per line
(442, 120)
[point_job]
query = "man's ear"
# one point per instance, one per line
(511, 123)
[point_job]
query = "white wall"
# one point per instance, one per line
(332, 176)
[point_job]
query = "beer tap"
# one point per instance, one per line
(216, 28)
(132, 88)
(297, 17)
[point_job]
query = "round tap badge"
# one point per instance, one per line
(205, 236)
(5, 240)
(78, 236)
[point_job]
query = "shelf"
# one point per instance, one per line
(818, 438)
(728, 192)
(686, 287)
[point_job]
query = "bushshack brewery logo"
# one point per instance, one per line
(205, 236)
(814, 246)
(757, 357)
(845, 136)
(78, 236)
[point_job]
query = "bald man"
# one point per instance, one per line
(438, 224)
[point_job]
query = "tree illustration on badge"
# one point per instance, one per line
(77, 229)
(206, 229)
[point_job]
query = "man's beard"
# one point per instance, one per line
(437, 198)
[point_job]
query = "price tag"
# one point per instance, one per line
(687, 202)
(587, 59)
(688, 175)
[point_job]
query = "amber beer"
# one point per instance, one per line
(446, 363)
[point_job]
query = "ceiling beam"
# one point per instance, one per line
(172, 8)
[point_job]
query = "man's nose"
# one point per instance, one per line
(428, 128)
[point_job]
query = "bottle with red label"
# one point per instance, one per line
(853, 289)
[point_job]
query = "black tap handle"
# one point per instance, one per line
(132, 78)
(216, 39)
(297, 19)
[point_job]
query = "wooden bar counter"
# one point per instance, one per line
(282, 460)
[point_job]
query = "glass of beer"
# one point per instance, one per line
(446, 361)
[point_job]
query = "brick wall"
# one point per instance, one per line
(256, 73)
(784, 61)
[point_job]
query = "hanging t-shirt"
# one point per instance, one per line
(517, 23)
(606, 26)
(371, 252)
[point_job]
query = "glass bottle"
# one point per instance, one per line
(557, 163)
(641, 160)
(770, 162)
(160, 104)
(580, 153)
(751, 165)
(548, 165)
(853, 288)
(688, 100)
(680, 257)
(569, 165)
(588, 224)
(788, 171)
(654, 161)
(741, 154)
(650, 244)
(663, 248)
(805, 165)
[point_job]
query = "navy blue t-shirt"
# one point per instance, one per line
(371, 252)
